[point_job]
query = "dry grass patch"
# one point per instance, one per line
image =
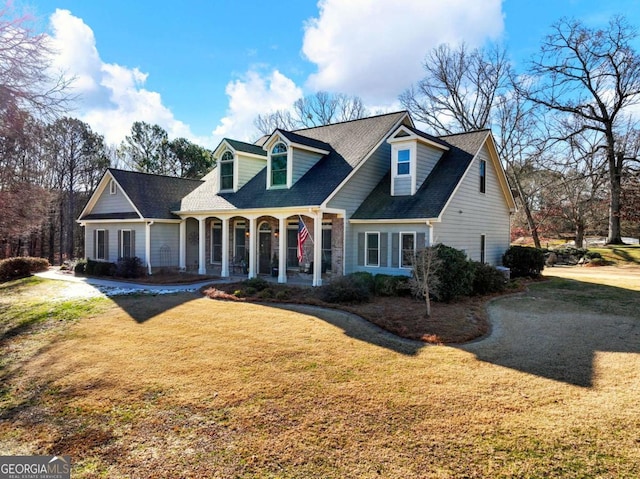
(182, 386)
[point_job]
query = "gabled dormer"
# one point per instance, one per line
(413, 156)
(237, 162)
(290, 156)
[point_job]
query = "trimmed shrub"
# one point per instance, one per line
(100, 268)
(130, 267)
(21, 267)
(345, 290)
(487, 279)
(257, 284)
(455, 274)
(391, 285)
(524, 261)
(364, 279)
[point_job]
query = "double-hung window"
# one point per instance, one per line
(101, 244)
(372, 249)
(126, 244)
(404, 162)
(407, 249)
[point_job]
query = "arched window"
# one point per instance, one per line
(279, 165)
(226, 171)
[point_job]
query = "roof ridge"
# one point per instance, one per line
(152, 174)
(348, 121)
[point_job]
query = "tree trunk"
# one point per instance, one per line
(579, 234)
(615, 187)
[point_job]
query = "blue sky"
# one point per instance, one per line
(205, 69)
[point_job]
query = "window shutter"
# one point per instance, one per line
(133, 243)
(384, 249)
(95, 245)
(360, 249)
(421, 239)
(106, 245)
(119, 244)
(395, 250)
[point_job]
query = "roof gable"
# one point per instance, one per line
(152, 196)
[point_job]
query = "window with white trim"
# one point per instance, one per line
(483, 176)
(407, 249)
(403, 166)
(372, 249)
(226, 171)
(112, 187)
(126, 244)
(239, 241)
(279, 156)
(101, 244)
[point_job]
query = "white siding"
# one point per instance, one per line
(352, 194)
(471, 214)
(303, 161)
(108, 203)
(401, 185)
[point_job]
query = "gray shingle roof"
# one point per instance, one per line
(434, 193)
(246, 147)
(154, 196)
(348, 144)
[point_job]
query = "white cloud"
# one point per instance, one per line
(251, 95)
(111, 96)
(376, 49)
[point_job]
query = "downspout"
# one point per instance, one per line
(147, 246)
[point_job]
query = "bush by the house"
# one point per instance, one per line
(80, 267)
(487, 279)
(100, 268)
(257, 284)
(455, 274)
(345, 289)
(130, 267)
(364, 279)
(21, 267)
(524, 261)
(391, 285)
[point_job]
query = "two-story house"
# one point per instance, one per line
(370, 192)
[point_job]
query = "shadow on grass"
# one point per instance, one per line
(557, 327)
(356, 327)
(145, 306)
(624, 255)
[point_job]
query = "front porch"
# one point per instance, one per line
(272, 247)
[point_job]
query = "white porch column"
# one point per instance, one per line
(225, 248)
(317, 249)
(252, 247)
(202, 240)
(182, 247)
(147, 244)
(282, 251)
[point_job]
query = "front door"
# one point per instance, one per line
(264, 249)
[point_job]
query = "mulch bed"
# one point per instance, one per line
(449, 323)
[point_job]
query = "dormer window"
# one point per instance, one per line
(404, 162)
(226, 171)
(279, 156)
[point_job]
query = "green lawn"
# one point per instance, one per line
(182, 386)
(620, 254)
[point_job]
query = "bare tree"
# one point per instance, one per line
(26, 79)
(465, 90)
(593, 74)
(424, 281)
(322, 108)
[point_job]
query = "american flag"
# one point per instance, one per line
(303, 234)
